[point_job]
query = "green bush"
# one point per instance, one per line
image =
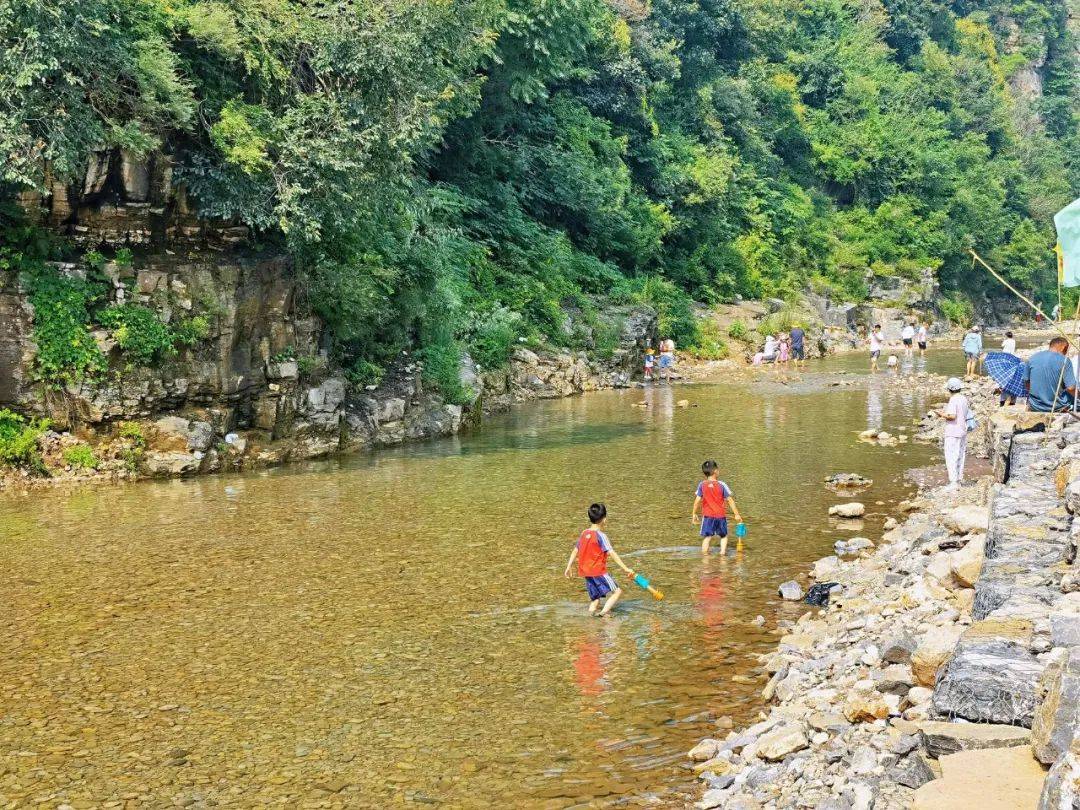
(19, 441)
(66, 351)
(139, 332)
(494, 336)
(81, 457)
(192, 330)
(957, 310)
(442, 369)
(132, 432)
(710, 344)
(737, 330)
(363, 373)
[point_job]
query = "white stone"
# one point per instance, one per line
(848, 510)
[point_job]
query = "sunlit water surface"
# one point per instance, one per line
(396, 627)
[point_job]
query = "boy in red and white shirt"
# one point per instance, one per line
(591, 552)
(712, 499)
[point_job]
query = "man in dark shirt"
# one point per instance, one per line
(798, 345)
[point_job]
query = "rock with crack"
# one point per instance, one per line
(939, 738)
(777, 744)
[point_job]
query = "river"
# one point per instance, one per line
(396, 628)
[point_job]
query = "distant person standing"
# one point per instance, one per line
(877, 343)
(667, 359)
(907, 335)
(1008, 344)
(798, 345)
(921, 338)
(973, 347)
(1056, 313)
(1049, 378)
(956, 430)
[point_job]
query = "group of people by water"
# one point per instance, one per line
(1047, 381)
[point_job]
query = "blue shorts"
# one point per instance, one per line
(599, 587)
(666, 361)
(972, 355)
(798, 352)
(713, 527)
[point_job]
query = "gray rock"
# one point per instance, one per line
(1065, 629)
(913, 772)
(1057, 720)
(898, 650)
(905, 744)
(989, 681)
(864, 760)
(1061, 789)
(791, 590)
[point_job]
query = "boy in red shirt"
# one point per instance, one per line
(713, 497)
(591, 552)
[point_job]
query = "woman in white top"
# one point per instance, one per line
(920, 338)
(1008, 345)
(956, 431)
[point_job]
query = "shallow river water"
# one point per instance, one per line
(395, 628)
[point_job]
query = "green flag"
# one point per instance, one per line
(1067, 222)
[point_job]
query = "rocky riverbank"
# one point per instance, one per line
(945, 670)
(258, 387)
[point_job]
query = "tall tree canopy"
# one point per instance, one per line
(453, 174)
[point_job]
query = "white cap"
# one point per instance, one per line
(953, 384)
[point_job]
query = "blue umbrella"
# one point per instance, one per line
(1007, 371)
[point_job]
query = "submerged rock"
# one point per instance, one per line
(791, 590)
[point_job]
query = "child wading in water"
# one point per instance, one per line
(650, 361)
(713, 497)
(591, 552)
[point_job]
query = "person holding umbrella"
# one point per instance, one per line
(1007, 370)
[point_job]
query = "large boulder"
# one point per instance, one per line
(1057, 719)
(992, 676)
(993, 779)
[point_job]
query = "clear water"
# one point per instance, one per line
(396, 627)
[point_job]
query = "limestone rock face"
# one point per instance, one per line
(933, 650)
(1057, 720)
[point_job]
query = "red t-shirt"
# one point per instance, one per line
(592, 551)
(714, 495)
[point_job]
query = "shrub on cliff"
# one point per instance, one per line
(19, 445)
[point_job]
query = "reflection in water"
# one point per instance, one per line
(398, 623)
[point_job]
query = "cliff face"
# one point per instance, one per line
(258, 387)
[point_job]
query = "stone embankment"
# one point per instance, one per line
(945, 671)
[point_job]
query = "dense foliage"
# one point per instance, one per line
(472, 173)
